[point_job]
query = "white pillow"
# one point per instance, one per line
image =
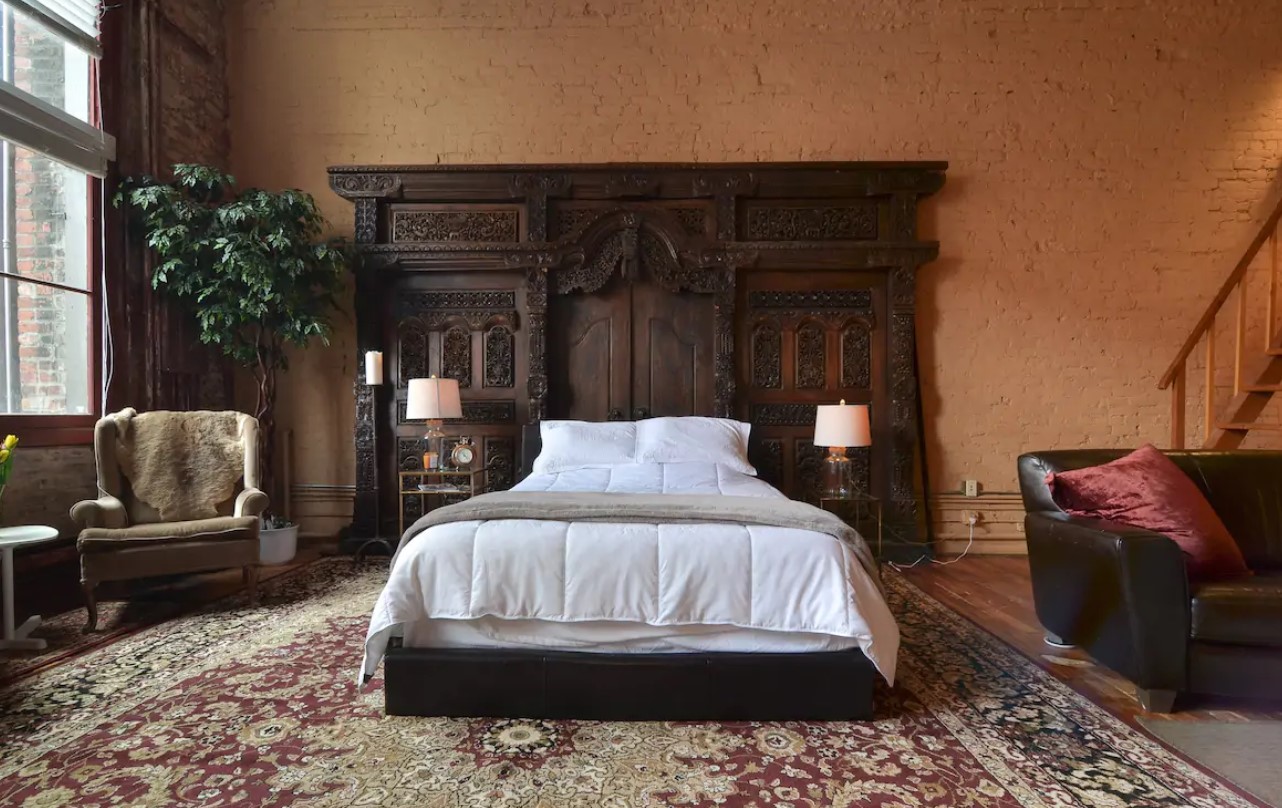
(694, 439)
(569, 445)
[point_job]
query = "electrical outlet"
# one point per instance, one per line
(971, 518)
(970, 488)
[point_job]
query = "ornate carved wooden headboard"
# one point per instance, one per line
(624, 291)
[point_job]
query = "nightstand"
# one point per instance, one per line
(437, 487)
(856, 510)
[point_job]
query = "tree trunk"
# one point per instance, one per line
(265, 412)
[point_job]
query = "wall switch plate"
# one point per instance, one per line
(970, 488)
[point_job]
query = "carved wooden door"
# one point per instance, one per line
(671, 358)
(631, 350)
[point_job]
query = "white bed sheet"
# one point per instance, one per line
(687, 582)
(615, 637)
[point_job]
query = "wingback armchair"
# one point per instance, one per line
(190, 456)
(1123, 594)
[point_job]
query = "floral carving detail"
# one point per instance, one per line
(500, 366)
(456, 356)
(412, 346)
(767, 357)
(482, 226)
(856, 349)
(811, 357)
(500, 457)
(856, 222)
(784, 414)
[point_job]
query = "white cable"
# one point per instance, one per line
(969, 543)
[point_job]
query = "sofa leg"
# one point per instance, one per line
(1054, 640)
(250, 576)
(91, 606)
(1156, 700)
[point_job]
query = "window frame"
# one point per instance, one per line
(63, 429)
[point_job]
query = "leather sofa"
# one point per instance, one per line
(1122, 594)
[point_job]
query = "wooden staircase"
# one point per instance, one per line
(1257, 374)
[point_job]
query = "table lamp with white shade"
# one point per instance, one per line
(433, 400)
(840, 426)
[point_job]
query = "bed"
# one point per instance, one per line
(640, 571)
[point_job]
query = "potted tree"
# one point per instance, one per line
(255, 271)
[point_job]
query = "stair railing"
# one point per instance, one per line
(1176, 376)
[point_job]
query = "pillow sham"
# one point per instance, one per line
(1145, 489)
(569, 445)
(695, 439)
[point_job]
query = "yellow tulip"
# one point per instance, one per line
(4, 455)
(10, 441)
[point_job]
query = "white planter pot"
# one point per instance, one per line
(277, 546)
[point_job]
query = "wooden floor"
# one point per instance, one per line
(996, 593)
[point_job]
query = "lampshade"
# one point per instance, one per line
(433, 400)
(842, 425)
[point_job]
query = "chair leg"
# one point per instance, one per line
(250, 576)
(91, 606)
(1156, 700)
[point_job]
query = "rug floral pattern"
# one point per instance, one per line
(240, 706)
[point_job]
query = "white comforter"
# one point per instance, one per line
(763, 578)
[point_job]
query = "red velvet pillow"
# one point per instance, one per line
(1147, 490)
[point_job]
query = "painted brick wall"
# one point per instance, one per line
(1110, 158)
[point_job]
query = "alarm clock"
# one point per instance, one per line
(463, 453)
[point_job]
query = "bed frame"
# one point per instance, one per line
(619, 292)
(479, 682)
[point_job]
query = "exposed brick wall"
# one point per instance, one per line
(1109, 160)
(45, 484)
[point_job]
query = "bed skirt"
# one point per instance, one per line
(477, 682)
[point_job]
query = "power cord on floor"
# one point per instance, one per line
(971, 520)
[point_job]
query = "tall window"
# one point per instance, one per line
(50, 152)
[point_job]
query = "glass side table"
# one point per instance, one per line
(856, 509)
(436, 487)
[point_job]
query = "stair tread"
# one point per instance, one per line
(1262, 388)
(1240, 426)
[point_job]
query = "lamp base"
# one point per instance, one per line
(837, 473)
(432, 460)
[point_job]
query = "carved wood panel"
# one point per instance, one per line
(756, 291)
(444, 225)
(791, 221)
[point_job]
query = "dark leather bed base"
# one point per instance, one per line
(465, 682)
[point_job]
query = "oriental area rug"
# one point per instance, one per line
(243, 706)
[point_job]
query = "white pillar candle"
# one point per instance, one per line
(373, 367)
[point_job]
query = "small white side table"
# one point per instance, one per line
(19, 639)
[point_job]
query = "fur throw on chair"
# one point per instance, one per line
(182, 464)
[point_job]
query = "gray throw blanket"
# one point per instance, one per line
(649, 509)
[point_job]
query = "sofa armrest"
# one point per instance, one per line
(251, 502)
(105, 511)
(1120, 592)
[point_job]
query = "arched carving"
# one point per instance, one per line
(811, 356)
(500, 366)
(456, 355)
(412, 350)
(767, 356)
(856, 355)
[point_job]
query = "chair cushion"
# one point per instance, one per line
(1241, 612)
(1145, 489)
(222, 528)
